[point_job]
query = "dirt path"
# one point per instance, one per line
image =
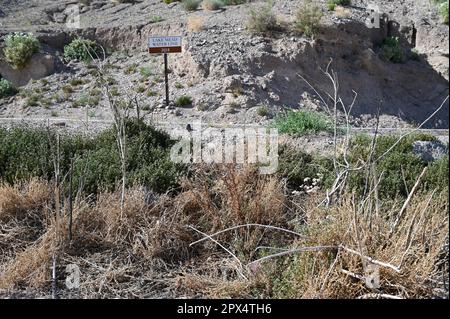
(95, 126)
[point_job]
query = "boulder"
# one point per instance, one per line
(430, 151)
(40, 66)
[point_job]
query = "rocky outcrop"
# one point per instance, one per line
(39, 66)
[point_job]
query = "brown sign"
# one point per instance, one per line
(165, 50)
(167, 44)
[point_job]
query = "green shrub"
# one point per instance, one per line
(212, 5)
(19, 48)
(443, 9)
(82, 50)
(392, 51)
(233, 2)
(303, 123)
(262, 20)
(399, 165)
(183, 101)
(308, 19)
(156, 19)
(27, 152)
(295, 165)
(6, 88)
(333, 3)
(191, 5)
(145, 72)
(263, 111)
(33, 100)
(414, 55)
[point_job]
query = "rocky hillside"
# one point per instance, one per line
(229, 74)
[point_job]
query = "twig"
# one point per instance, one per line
(406, 203)
(221, 246)
(247, 225)
(373, 261)
(294, 251)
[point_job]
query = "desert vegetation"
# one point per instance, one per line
(6, 88)
(218, 231)
(19, 48)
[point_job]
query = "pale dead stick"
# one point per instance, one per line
(221, 246)
(247, 225)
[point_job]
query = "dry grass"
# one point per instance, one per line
(416, 248)
(195, 24)
(144, 250)
(21, 200)
(342, 12)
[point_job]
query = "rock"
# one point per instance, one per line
(59, 17)
(430, 151)
(39, 66)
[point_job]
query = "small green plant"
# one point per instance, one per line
(33, 100)
(308, 19)
(114, 91)
(95, 92)
(233, 107)
(140, 89)
(392, 51)
(131, 69)
(191, 5)
(76, 82)
(303, 123)
(156, 19)
(145, 72)
(233, 2)
(333, 3)
(82, 50)
(212, 5)
(183, 101)
(237, 91)
(263, 111)
(67, 89)
(202, 107)
(82, 101)
(178, 85)
(415, 55)
(19, 48)
(263, 20)
(443, 9)
(6, 88)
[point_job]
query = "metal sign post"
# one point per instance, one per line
(165, 45)
(166, 77)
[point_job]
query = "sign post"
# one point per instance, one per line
(165, 45)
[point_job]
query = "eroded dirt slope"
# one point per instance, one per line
(230, 73)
